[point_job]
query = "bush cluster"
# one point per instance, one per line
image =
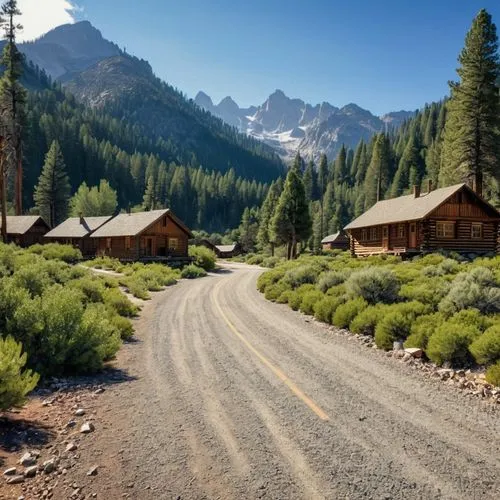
(445, 305)
(192, 271)
(203, 257)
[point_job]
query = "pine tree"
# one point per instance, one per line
(149, 198)
(53, 189)
(266, 214)
(291, 222)
(248, 230)
(12, 100)
(309, 181)
(341, 173)
(379, 171)
(471, 137)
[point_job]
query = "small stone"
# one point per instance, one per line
(15, 480)
(71, 424)
(10, 472)
(87, 427)
(71, 447)
(80, 412)
(415, 352)
(92, 471)
(30, 471)
(27, 460)
(49, 466)
(99, 391)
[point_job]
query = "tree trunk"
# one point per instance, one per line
(3, 194)
(272, 249)
(19, 181)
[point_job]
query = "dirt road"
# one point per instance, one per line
(239, 398)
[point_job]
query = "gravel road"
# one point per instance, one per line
(238, 398)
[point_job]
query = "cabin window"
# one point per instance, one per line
(127, 242)
(385, 232)
(173, 243)
(476, 230)
(363, 235)
(445, 229)
(108, 243)
(401, 230)
(164, 221)
(373, 233)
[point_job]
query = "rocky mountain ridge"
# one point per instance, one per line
(289, 125)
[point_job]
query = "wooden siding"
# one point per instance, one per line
(459, 206)
(153, 242)
(340, 245)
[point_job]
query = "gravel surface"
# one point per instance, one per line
(233, 397)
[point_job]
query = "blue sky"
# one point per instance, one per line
(384, 55)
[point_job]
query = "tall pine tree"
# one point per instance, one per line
(471, 136)
(53, 189)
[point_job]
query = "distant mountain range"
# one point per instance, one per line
(290, 125)
(102, 76)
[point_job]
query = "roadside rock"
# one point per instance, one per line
(31, 471)
(87, 427)
(15, 480)
(27, 460)
(71, 447)
(92, 471)
(10, 472)
(80, 412)
(415, 352)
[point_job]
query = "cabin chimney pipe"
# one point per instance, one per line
(82, 220)
(416, 191)
(429, 186)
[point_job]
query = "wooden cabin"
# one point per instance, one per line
(76, 231)
(208, 244)
(25, 230)
(451, 218)
(339, 241)
(227, 251)
(155, 236)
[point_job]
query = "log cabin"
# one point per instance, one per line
(157, 235)
(227, 251)
(76, 231)
(25, 230)
(338, 241)
(453, 218)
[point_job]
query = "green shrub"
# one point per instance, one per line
(255, 260)
(92, 288)
(472, 317)
(137, 287)
(394, 325)
(107, 263)
(422, 329)
(34, 279)
(285, 296)
(326, 307)
(474, 289)
(331, 278)
(117, 301)
(271, 262)
(192, 272)
(493, 374)
(123, 326)
(345, 313)
(374, 285)
(450, 343)
(305, 274)
(15, 382)
(268, 278)
(11, 297)
(295, 299)
(56, 251)
(366, 320)
(274, 291)
(336, 291)
(309, 300)
(486, 348)
(203, 257)
(428, 291)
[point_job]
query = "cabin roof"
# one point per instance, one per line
(226, 248)
(133, 224)
(331, 238)
(74, 227)
(409, 208)
(21, 224)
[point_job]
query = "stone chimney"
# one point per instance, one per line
(416, 191)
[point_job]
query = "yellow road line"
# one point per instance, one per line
(279, 373)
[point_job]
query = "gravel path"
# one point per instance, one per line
(239, 398)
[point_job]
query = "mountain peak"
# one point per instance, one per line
(204, 100)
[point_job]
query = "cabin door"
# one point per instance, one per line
(413, 235)
(149, 247)
(385, 237)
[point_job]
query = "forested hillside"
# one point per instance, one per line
(96, 145)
